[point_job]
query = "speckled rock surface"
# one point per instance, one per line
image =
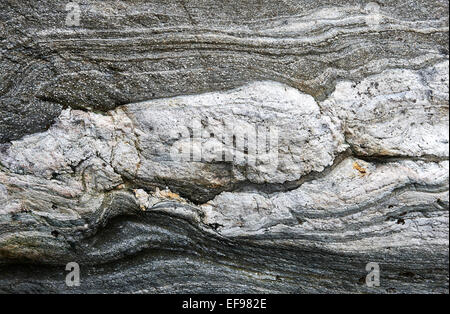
(224, 147)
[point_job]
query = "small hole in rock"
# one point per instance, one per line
(55, 233)
(215, 226)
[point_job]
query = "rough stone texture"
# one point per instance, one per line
(90, 115)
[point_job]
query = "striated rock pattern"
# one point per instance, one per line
(224, 146)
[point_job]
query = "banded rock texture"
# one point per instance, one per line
(91, 115)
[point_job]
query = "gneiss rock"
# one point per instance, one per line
(124, 52)
(235, 147)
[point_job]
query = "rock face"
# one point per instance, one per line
(213, 147)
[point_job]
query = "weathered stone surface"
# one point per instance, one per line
(94, 119)
(126, 51)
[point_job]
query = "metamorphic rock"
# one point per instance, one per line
(130, 137)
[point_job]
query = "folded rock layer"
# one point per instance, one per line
(238, 147)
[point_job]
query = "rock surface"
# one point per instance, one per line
(210, 146)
